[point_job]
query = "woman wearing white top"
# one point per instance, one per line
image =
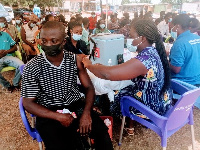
(27, 34)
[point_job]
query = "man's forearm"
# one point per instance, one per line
(89, 99)
(12, 50)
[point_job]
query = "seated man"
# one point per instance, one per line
(7, 47)
(49, 84)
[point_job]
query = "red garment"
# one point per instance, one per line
(92, 22)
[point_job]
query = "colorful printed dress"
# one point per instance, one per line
(146, 89)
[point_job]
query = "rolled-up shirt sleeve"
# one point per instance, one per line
(30, 84)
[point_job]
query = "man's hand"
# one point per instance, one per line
(85, 124)
(65, 119)
(3, 53)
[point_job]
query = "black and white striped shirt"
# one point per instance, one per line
(52, 85)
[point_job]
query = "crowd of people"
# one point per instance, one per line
(55, 53)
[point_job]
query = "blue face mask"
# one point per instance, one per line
(173, 34)
(32, 25)
(129, 45)
(76, 37)
(2, 25)
(170, 20)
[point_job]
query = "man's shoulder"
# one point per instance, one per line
(35, 63)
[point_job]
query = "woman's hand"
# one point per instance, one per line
(86, 62)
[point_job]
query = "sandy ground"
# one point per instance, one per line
(13, 135)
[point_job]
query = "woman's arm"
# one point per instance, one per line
(128, 70)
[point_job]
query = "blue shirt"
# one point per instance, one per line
(6, 42)
(185, 53)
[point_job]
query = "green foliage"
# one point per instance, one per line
(23, 3)
(178, 1)
(125, 2)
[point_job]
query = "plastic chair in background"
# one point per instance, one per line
(31, 130)
(9, 68)
(174, 119)
(190, 87)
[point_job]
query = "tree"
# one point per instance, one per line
(125, 2)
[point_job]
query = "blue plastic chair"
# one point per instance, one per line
(174, 119)
(31, 130)
(191, 87)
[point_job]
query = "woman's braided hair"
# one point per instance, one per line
(148, 29)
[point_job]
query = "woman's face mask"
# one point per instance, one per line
(76, 37)
(129, 45)
(32, 25)
(102, 26)
(18, 21)
(174, 34)
(2, 25)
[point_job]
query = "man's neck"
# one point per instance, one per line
(56, 60)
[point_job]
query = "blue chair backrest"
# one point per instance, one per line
(21, 68)
(181, 110)
(32, 131)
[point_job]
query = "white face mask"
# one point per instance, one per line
(18, 21)
(136, 46)
(38, 23)
(93, 16)
(2, 25)
(102, 26)
(32, 25)
(76, 37)
(129, 45)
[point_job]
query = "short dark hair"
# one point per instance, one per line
(48, 16)
(183, 20)
(55, 25)
(85, 21)
(61, 18)
(168, 15)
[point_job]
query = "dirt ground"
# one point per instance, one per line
(13, 135)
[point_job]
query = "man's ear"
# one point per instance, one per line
(64, 42)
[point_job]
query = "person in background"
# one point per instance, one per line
(157, 21)
(49, 86)
(185, 55)
(79, 19)
(18, 22)
(194, 25)
(149, 72)
(7, 47)
(101, 27)
(92, 22)
(148, 15)
(135, 14)
(49, 17)
(113, 25)
(163, 26)
(73, 41)
(36, 11)
(85, 32)
(10, 29)
(72, 19)
(27, 33)
(125, 20)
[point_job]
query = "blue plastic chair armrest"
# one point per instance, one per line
(152, 115)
